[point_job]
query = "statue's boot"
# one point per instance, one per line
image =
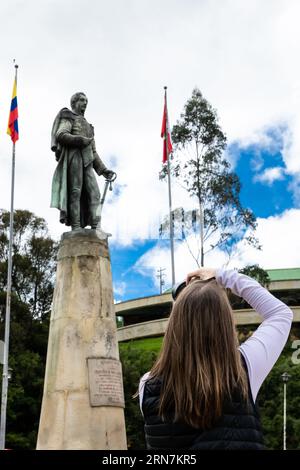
(95, 214)
(75, 210)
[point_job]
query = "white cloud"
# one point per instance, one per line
(158, 257)
(257, 162)
(269, 175)
(291, 148)
(294, 186)
(120, 288)
(279, 236)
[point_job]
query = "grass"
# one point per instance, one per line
(145, 344)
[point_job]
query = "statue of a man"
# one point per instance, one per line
(75, 190)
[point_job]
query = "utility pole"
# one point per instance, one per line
(285, 377)
(161, 276)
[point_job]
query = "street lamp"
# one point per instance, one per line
(285, 377)
(9, 373)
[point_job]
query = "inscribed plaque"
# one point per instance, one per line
(105, 382)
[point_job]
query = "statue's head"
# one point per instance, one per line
(79, 102)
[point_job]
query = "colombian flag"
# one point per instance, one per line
(12, 128)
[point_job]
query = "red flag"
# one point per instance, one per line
(165, 134)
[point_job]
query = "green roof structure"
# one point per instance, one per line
(288, 274)
(285, 274)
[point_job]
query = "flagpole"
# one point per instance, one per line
(8, 300)
(170, 195)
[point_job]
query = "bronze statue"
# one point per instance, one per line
(75, 189)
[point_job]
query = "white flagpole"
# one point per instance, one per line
(170, 194)
(8, 301)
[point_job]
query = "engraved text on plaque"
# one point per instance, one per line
(105, 382)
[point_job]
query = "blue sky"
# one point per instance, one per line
(263, 197)
(128, 282)
(265, 193)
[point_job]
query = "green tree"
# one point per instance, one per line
(200, 167)
(270, 400)
(258, 273)
(34, 254)
(135, 362)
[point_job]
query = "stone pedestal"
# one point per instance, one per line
(83, 393)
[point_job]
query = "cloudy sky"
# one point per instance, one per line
(242, 55)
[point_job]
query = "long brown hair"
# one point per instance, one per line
(199, 363)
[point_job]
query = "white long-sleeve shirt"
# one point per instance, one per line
(263, 348)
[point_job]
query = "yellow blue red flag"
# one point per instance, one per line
(12, 128)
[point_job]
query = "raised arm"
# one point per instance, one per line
(263, 348)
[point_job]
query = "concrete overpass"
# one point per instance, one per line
(158, 327)
(148, 316)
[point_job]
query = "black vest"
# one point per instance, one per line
(238, 427)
